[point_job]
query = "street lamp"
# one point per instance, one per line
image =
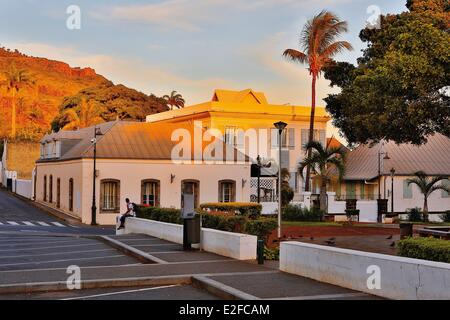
(97, 132)
(380, 169)
(260, 165)
(392, 190)
(280, 126)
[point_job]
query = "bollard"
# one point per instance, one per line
(260, 251)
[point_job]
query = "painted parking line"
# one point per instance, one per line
(56, 253)
(32, 245)
(121, 292)
(61, 260)
(155, 245)
(13, 223)
(54, 247)
(57, 224)
(325, 296)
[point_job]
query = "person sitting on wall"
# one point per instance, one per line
(130, 213)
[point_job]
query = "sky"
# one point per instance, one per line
(191, 46)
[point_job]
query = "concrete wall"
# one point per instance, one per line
(130, 173)
(368, 210)
(23, 188)
(400, 278)
(234, 245)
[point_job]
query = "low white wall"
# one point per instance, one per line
(229, 244)
(368, 210)
(23, 188)
(269, 207)
(335, 207)
(432, 217)
(400, 278)
(166, 231)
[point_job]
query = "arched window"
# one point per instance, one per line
(58, 192)
(45, 188)
(227, 191)
(110, 196)
(150, 192)
(70, 194)
(191, 187)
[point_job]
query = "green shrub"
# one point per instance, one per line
(445, 216)
(160, 214)
(249, 209)
(414, 215)
(271, 254)
(261, 228)
(425, 248)
(296, 213)
(224, 223)
(287, 194)
(352, 212)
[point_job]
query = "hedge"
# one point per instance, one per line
(261, 227)
(425, 248)
(296, 213)
(243, 208)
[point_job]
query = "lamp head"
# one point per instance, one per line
(280, 125)
(392, 172)
(386, 157)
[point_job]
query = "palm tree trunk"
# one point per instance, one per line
(323, 195)
(311, 128)
(425, 209)
(13, 117)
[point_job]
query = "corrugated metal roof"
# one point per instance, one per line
(433, 158)
(133, 140)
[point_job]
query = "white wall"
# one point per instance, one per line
(23, 188)
(229, 244)
(368, 210)
(400, 278)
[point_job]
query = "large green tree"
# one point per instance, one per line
(401, 87)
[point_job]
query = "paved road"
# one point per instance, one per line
(17, 215)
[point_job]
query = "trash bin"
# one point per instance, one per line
(191, 231)
(406, 230)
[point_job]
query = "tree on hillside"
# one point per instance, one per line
(400, 89)
(174, 100)
(87, 115)
(16, 79)
(427, 185)
(318, 41)
(322, 160)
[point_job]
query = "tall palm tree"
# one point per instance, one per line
(87, 116)
(318, 41)
(427, 185)
(16, 79)
(321, 161)
(175, 100)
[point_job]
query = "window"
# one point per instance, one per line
(274, 138)
(227, 191)
(58, 192)
(70, 194)
(319, 135)
(230, 136)
(407, 190)
(446, 183)
(150, 193)
(45, 188)
(50, 189)
(109, 196)
(191, 187)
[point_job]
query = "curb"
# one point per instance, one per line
(94, 284)
(220, 290)
(130, 251)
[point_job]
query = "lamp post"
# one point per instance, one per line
(280, 126)
(380, 169)
(392, 190)
(97, 132)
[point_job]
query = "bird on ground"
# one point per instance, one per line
(331, 243)
(393, 244)
(300, 236)
(332, 239)
(311, 238)
(389, 238)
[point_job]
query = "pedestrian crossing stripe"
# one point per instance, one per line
(43, 224)
(34, 224)
(28, 223)
(13, 223)
(57, 224)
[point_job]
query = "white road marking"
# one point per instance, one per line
(53, 247)
(56, 253)
(31, 245)
(13, 223)
(28, 223)
(62, 260)
(57, 224)
(43, 224)
(1, 223)
(121, 292)
(324, 296)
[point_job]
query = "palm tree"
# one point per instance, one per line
(16, 79)
(87, 116)
(175, 100)
(321, 160)
(427, 185)
(317, 40)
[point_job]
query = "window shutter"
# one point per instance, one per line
(322, 137)
(291, 137)
(305, 137)
(274, 138)
(407, 190)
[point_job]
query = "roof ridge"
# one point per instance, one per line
(115, 122)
